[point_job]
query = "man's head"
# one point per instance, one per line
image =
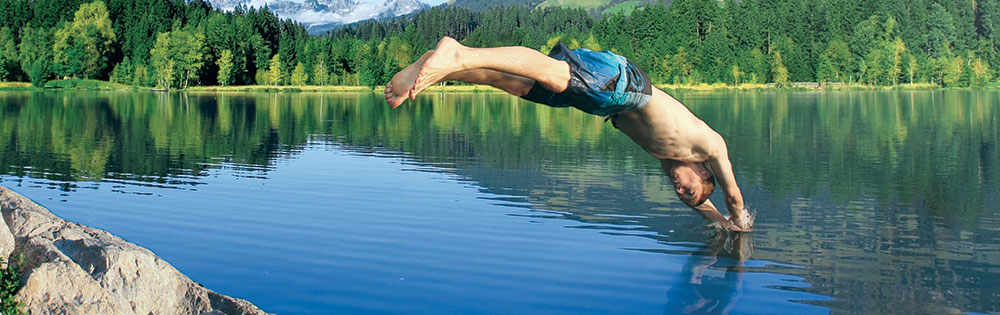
(693, 182)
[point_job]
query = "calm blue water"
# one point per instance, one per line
(316, 203)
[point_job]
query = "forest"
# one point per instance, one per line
(181, 43)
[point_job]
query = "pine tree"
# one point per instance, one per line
(122, 72)
(940, 32)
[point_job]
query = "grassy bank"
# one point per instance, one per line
(15, 86)
(283, 88)
(331, 88)
(83, 84)
(803, 86)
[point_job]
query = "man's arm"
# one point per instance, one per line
(709, 212)
(723, 169)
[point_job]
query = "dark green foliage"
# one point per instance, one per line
(39, 71)
(684, 41)
(83, 84)
(35, 52)
(10, 70)
(940, 32)
(10, 283)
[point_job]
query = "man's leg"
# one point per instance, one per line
(450, 57)
(514, 84)
(398, 89)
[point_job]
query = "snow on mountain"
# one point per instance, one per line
(321, 15)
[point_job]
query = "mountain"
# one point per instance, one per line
(322, 15)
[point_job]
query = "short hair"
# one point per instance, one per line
(708, 186)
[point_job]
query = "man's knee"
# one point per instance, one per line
(557, 78)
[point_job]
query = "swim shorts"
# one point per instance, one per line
(601, 83)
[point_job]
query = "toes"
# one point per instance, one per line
(393, 103)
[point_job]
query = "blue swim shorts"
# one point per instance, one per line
(601, 83)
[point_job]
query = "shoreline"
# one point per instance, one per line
(96, 85)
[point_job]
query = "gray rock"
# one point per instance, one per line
(6, 240)
(75, 269)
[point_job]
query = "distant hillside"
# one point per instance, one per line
(479, 5)
(582, 4)
(596, 7)
(625, 7)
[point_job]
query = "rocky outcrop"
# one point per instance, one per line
(75, 269)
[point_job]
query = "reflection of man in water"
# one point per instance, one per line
(701, 294)
(600, 83)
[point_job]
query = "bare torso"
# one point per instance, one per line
(666, 129)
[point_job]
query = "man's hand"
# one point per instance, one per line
(709, 212)
(741, 224)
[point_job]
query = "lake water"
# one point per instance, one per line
(314, 203)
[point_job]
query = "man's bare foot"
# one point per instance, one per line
(439, 65)
(399, 88)
(393, 99)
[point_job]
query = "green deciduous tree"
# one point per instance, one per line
(980, 72)
(274, 76)
(687, 41)
(911, 66)
(736, 74)
(35, 52)
(778, 70)
(952, 70)
(141, 76)
(163, 63)
(894, 56)
(680, 66)
(82, 46)
(189, 53)
(321, 76)
(299, 75)
(225, 64)
(177, 55)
